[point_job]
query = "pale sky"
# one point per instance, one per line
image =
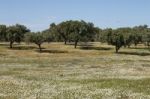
(39, 14)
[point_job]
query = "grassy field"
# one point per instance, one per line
(62, 72)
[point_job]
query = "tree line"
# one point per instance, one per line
(74, 31)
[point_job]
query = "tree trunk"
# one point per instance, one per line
(11, 43)
(117, 48)
(40, 47)
(65, 42)
(135, 44)
(76, 43)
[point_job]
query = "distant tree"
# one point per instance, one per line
(126, 32)
(3, 30)
(146, 39)
(28, 37)
(128, 39)
(109, 35)
(118, 41)
(82, 31)
(114, 37)
(138, 32)
(98, 34)
(16, 33)
(52, 34)
(47, 35)
(36, 38)
(64, 30)
(91, 31)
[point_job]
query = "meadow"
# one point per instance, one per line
(92, 71)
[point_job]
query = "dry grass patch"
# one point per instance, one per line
(62, 72)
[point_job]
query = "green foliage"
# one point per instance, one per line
(16, 33)
(37, 38)
(125, 36)
(3, 31)
(117, 39)
(52, 34)
(75, 31)
(64, 30)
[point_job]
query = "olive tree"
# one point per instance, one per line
(3, 30)
(64, 30)
(36, 38)
(82, 31)
(16, 33)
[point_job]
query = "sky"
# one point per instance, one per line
(39, 14)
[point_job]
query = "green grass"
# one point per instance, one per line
(62, 72)
(140, 86)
